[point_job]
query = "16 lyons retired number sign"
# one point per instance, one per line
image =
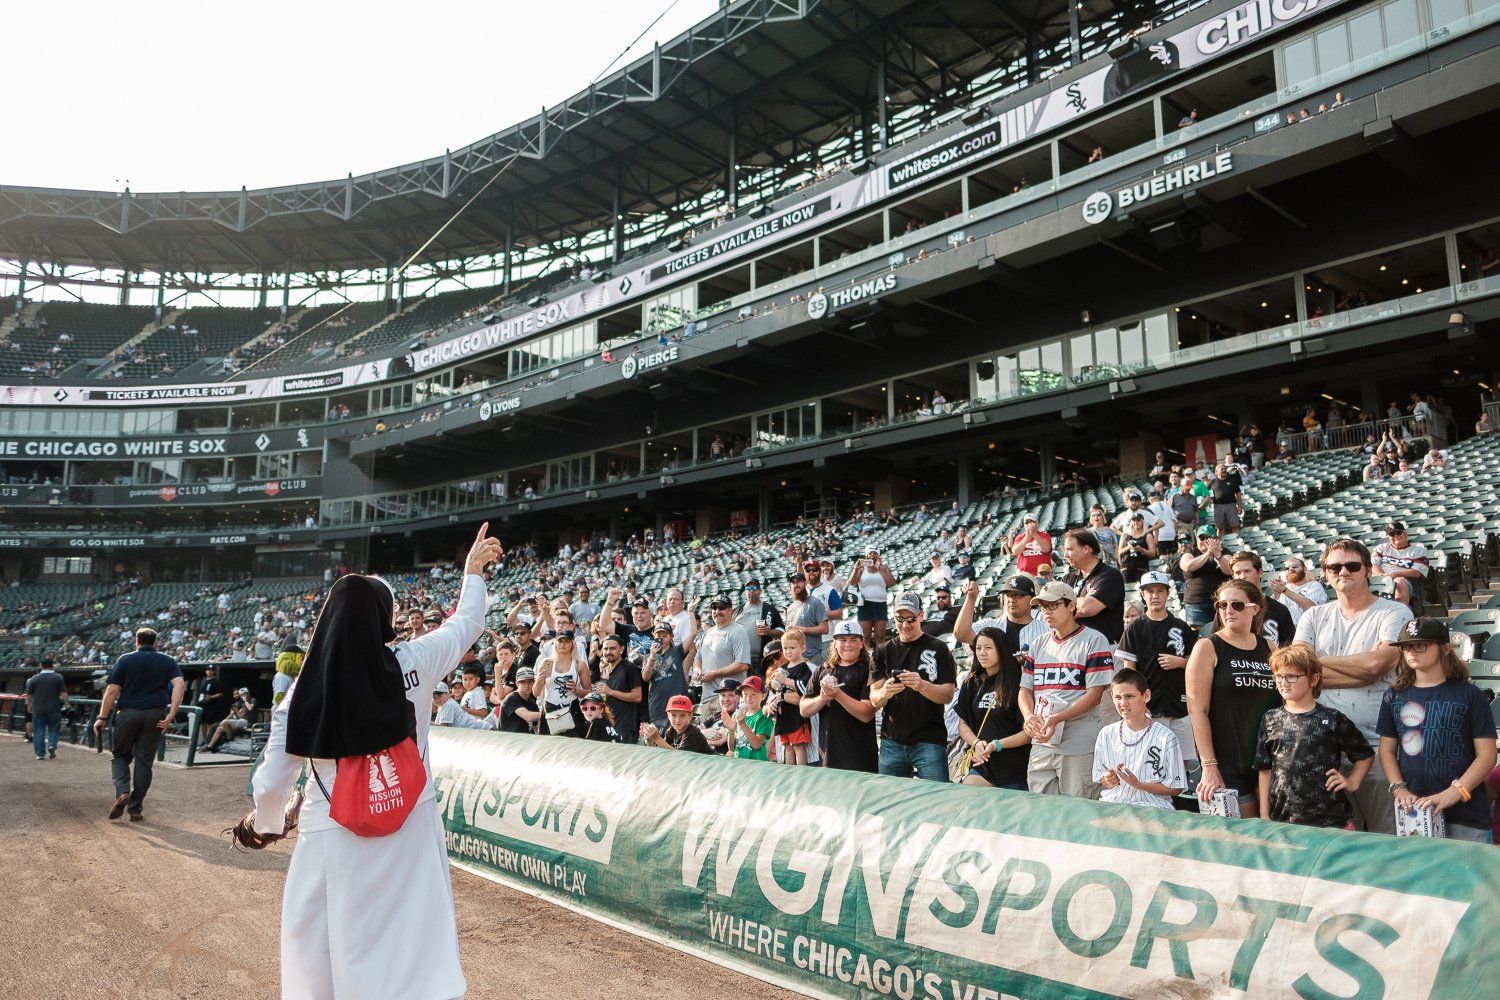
(855, 886)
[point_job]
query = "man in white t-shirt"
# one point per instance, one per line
(1298, 589)
(1352, 637)
(1166, 535)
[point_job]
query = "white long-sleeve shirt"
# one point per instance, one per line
(423, 661)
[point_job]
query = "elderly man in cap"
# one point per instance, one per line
(721, 652)
(1032, 546)
(915, 679)
(1403, 560)
(1063, 678)
(1017, 620)
(519, 712)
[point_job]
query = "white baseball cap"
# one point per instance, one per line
(1155, 578)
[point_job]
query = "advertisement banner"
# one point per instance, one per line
(848, 885)
(364, 373)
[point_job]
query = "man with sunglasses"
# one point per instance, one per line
(916, 678)
(1100, 587)
(1297, 589)
(1063, 678)
(1352, 636)
(1403, 560)
(760, 620)
(722, 652)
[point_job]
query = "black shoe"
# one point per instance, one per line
(118, 809)
(52, 753)
(136, 817)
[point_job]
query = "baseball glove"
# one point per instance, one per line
(245, 837)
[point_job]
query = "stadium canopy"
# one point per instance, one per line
(747, 101)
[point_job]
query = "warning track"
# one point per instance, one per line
(164, 909)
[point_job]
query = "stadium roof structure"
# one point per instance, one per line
(747, 96)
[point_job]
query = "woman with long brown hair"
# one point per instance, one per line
(989, 717)
(1229, 689)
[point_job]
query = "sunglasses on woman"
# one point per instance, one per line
(1234, 605)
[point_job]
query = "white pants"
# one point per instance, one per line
(365, 918)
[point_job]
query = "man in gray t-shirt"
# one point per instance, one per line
(1352, 637)
(46, 696)
(722, 653)
(808, 613)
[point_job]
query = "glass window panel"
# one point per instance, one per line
(1158, 337)
(1301, 61)
(1107, 347)
(1333, 48)
(1366, 37)
(1052, 357)
(1006, 367)
(1081, 352)
(1132, 345)
(1448, 11)
(1400, 22)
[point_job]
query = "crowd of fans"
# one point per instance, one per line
(1066, 688)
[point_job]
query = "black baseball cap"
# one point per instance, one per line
(1394, 527)
(942, 588)
(1019, 584)
(797, 576)
(1422, 630)
(721, 601)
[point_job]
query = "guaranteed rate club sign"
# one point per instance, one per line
(837, 884)
(1102, 205)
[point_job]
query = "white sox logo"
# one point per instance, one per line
(927, 665)
(1175, 641)
(1064, 677)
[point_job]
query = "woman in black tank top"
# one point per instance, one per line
(1229, 688)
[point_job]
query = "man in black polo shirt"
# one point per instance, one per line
(1100, 587)
(917, 678)
(148, 687)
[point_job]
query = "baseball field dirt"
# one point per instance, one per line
(165, 910)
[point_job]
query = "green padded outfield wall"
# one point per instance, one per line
(845, 885)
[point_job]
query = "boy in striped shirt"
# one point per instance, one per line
(1063, 678)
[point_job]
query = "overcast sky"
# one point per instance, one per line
(177, 96)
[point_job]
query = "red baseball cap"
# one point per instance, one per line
(679, 703)
(753, 682)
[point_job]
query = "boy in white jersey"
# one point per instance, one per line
(1137, 761)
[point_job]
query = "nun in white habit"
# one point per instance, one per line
(365, 918)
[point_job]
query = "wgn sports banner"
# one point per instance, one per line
(847, 885)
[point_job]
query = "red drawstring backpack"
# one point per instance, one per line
(378, 790)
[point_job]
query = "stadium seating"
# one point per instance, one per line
(97, 331)
(354, 318)
(425, 318)
(221, 332)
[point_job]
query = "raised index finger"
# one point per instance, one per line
(483, 529)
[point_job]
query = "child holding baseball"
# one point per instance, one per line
(1437, 736)
(1137, 761)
